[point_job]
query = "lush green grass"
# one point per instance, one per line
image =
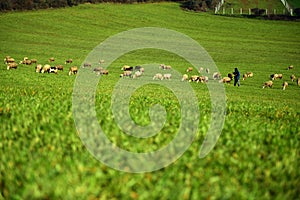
(42, 157)
(294, 3)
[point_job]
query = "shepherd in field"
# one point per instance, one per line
(237, 75)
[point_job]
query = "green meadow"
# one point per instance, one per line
(42, 157)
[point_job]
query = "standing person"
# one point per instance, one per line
(237, 75)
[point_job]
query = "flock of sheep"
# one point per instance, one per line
(137, 71)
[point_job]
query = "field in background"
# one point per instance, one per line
(42, 157)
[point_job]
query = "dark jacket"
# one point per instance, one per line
(236, 74)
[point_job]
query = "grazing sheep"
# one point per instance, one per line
(207, 70)
(8, 60)
(127, 68)
(38, 68)
(59, 67)
(275, 76)
(165, 67)
(298, 81)
(195, 78)
(33, 60)
(225, 80)
(104, 72)
(293, 77)
(290, 67)
(244, 76)
(167, 76)
(25, 62)
(87, 65)
(189, 69)
(100, 71)
(284, 85)
(268, 84)
(216, 75)
(184, 77)
(51, 59)
(142, 69)
(73, 70)
(200, 70)
(101, 61)
(230, 76)
(68, 61)
(12, 66)
(126, 73)
(158, 76)
(46, 68)
(203, 79)
(249, 74)
(137, 74)
(53, 69)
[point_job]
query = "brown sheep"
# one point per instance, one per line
(25, 62)
(284, 85)
(293, 77)
(298, 81)
(59, 67)
(268, 84)
(244, 76)
(33, 60)
(249, 74)
(12, 66)
(73, 70)
(290, 67)
(51, 59)
(68, 61)
(87, 65)
(189, 69)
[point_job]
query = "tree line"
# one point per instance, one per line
(10, 5)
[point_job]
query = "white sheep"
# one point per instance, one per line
(195, 78)
(284, 85)
(293, 77)
(207, 70)
(38, 68)
(137, 74)
(225, 80)
(158, 76)
(165, 67)
(200, 70)
(184, 77)
(126, 74)
(298, 81)
(216, 76)
(46, 68)
(12, 66)
(68, 61)
(167, 76)
(268, 84)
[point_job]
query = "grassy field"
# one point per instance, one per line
(42, 157)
